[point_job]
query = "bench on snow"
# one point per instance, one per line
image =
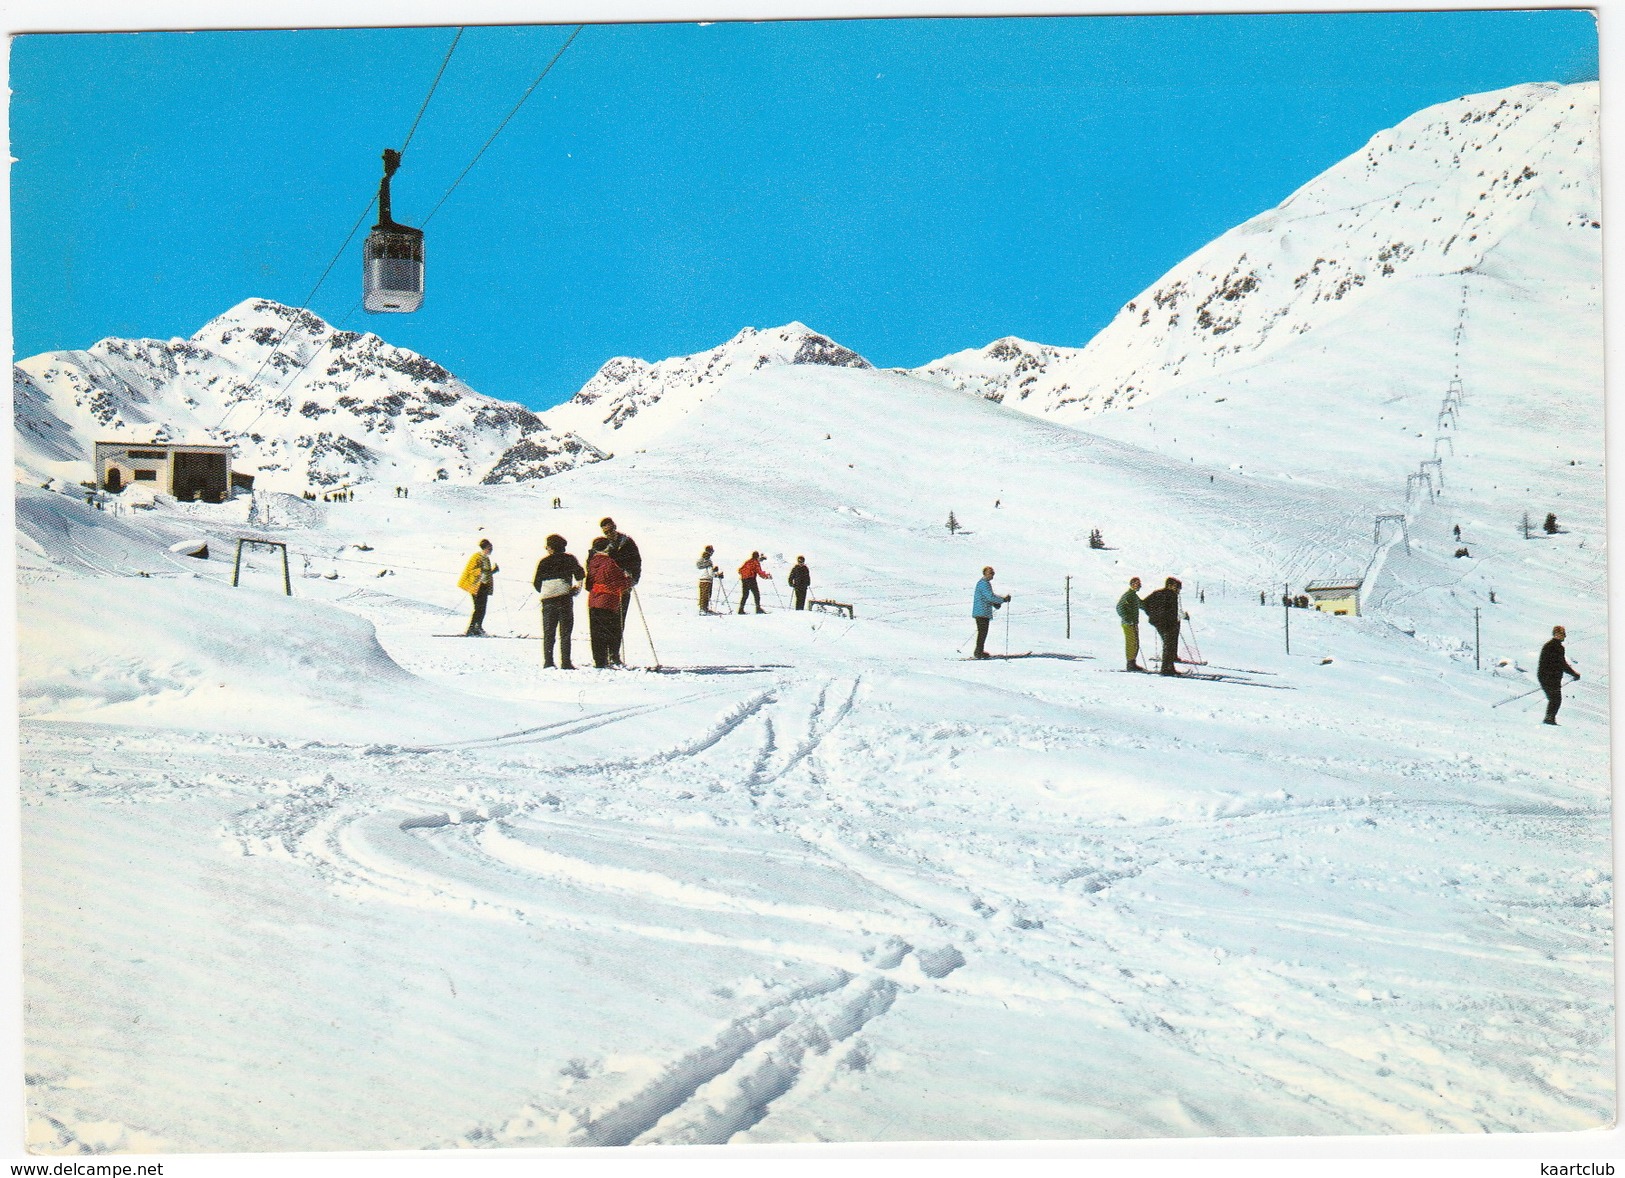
(839, 607)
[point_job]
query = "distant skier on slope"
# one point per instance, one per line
(1162, 611)
(607, 587)
(1554, 664)
(748, 572)
(707, 568)
(477, 581)
(800, 581)
(557, 582)
(982, 607)
(623, 550)
(1128, 612)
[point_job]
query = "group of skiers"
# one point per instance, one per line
(799, 580)
(614, 567)
(1162, 610)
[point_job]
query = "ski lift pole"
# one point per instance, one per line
(639, 602)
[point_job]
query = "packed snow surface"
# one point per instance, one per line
(308, 872)
(301, 874)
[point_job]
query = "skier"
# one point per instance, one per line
(707, 568)
(623, 550)
(1554, 664)
(982, 607)
(556, 583)
(607, 586)
(1162, 611)
(800, 581)
(1128, 612)
(477, 582)
(748, 572)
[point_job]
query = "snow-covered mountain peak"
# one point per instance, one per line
(1009, 368)
(305, 404)
(628, 401)
(1507, 180)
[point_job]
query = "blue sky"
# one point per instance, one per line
(908, 187)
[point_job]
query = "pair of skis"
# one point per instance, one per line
(1207, 676)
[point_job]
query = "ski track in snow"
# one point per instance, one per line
(500, 850)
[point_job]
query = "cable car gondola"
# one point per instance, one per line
(392, 259)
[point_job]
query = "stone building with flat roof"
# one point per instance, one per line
(184, 470)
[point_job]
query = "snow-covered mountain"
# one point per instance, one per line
(1457, 188)
(305, 405)
(628, 401)
(310, 406)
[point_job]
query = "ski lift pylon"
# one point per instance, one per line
(392, 259)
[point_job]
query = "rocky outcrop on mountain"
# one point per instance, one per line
(540, 455)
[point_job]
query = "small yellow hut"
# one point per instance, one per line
(1335, 597)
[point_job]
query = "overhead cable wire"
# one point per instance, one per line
(500, 126)
(343, 319)
(361, 220)
(432, 87)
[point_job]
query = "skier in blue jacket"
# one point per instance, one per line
(982, 607)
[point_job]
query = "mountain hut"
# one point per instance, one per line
(1335, 597)
(186, 471)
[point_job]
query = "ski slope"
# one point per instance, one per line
(301, 875)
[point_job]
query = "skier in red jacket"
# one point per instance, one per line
(748, 572)
(607, 586)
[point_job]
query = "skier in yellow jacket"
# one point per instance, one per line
(476, 581)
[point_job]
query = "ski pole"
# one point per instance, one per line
(514, 612)
(1526, 694)
(1007, 609)
(638, 601)
(1196, 647)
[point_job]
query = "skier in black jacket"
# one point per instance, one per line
(623, 550)
(1162, 611)
(800, 580)
(1554, 664)
(557, 581)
